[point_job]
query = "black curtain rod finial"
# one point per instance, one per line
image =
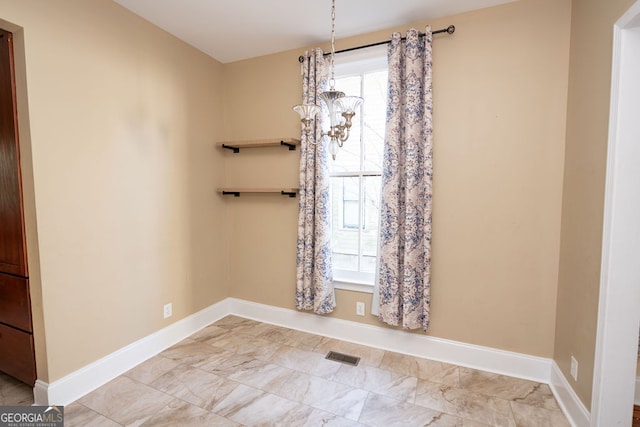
(451, 29)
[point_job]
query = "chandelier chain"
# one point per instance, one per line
(333, 43)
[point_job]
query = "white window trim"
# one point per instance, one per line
(370, 59)
(356, 281)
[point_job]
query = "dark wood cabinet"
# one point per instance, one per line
(13, 253)
(16, 354)
(16, 334)
(15, 302)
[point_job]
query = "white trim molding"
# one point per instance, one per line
(88, 378)
(458, 353)
(618, 315)
(92, 376)
(571, 405)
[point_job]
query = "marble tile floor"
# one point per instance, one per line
(14, 393)
(239, 372)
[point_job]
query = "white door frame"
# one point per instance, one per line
(619, 300)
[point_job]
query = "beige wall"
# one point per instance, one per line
(500, 85)
(584, 178)
(123, 119)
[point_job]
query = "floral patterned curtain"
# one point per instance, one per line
(314, 289)
(404, 264)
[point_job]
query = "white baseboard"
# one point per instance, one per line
(92, 376)
(469, 355)
(568, 400)
(88, 378)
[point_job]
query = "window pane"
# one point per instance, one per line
(370, 211)
(350, 202)
(344, 227)
(350, 190)
(350, 214)
(343, 261)
(375, 112)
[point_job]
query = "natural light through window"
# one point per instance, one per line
(356, 172)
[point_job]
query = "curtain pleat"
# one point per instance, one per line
(314, 288)
(403, 278)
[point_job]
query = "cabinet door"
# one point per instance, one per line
(15, 303)
(12, 241)
(17, 355)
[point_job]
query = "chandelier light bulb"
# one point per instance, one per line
(349, 104)
(307, 111)
(333, 148)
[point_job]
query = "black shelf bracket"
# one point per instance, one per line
(288, 193)
(292, 147)
(231, 193)
(229, 147)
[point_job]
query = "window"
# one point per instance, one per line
(356, 172)
(350, 203)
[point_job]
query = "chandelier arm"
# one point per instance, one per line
(344, 135)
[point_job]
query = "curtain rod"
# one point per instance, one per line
(449, 30)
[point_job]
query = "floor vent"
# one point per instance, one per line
(343, 358)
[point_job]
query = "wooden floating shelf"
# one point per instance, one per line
(235, 146)
(236, 191)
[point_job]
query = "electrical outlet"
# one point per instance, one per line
(360, 308)
(574, 368)
(168, 310)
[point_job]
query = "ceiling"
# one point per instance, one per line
(231, 30)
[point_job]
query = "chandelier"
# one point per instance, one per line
(340, 108)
